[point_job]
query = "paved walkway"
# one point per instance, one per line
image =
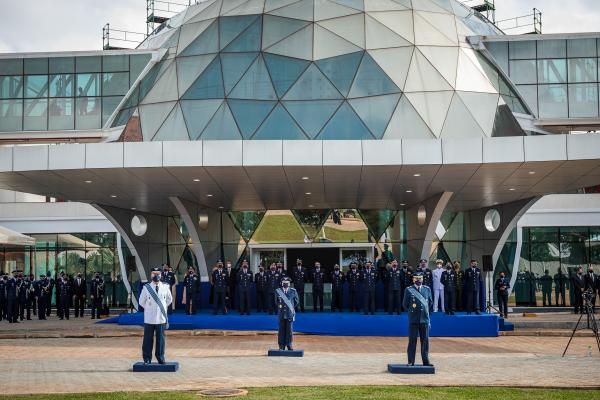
(64, 365)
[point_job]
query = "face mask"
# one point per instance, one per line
(448, 268)
(155, 278)
(97, 277)
(501, 276)
(79, 275)
(418, 283)
(591, 271)
(286, 285)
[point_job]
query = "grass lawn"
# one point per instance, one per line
(348, 393)
(279, 228)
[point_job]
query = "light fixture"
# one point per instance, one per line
(196, 180)
(308, 193)
(531, 172)
(133, 208)
(88, 181)
(311, 206)
(402, 204)
(512, 189)
(305, 178)
(209, 195)
(416, 175)
(114, 196)
(221, 207)
(409, 191)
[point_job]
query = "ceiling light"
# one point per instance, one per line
(209, 195)
(531, 172)
(402, 204)
(196, 180)
(416, 175)
(409, 191)
(133, 208)
(113, 196)
(88, 181)
(308, 193)
(305, 178)
(311, 206)
(512, 189)
(221, 207)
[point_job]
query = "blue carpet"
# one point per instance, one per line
(334, 324)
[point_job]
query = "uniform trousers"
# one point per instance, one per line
(421, 330)
(150, 332)
(219, 302)
(336, 299)
(472, 300)
(285, 334)
(353, 300)
(79, 306)
(502, 302)
(317, 296)
(438, 299)
(64, 307)
(394, 301)
(261, 300)
(449, 300)
(244, 301)
(369, 301)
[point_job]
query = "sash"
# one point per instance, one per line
(287, 301)
(154, 296)
(419, 297)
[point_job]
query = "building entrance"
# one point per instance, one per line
(327, 256)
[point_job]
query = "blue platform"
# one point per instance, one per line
(333, 324)
(155, 367)
(411, 370)
(285, 353)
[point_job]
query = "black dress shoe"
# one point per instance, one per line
(410, 364)
(281, 348)
(477, 313)
(146, 362)
(162, 362)
(290, 348)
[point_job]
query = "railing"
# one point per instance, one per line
(158, 11)
(121, 37)
(533, 20)
(484, 7)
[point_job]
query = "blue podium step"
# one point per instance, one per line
(156, 367)
(413, 369)
(285, 353)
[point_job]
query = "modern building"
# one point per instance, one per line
(319, 129)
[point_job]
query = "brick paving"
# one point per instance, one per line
(67, 365)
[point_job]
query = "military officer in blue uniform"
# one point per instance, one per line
(219, 282)
(42, 293)
(12, 299)
(286, 299)
(426, 272)
(502, 285)
(298, 278)
(318, 283)
(79, 293)
(65, 292)
(3, 280)
(51, 290)
(261, 283)
(32, 298)
(369, 278)
(337, 288)
(230, 293)
(191, 282)
(353, 278)
(97, 288)
(168, 277)
(244, 282)
(395, 289)
(21, 295)
(406, 273)
(280, 271)
(418, 301)
(473, 279)
(273, 283)
(25, 298)
(449, 281)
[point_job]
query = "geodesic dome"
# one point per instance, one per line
(322, 69)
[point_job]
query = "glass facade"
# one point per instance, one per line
(71, 253)
(64, 93)
(296, 71)
(558, 78)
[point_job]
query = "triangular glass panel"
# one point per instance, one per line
(459, 122)
(249, 114)
(173, 128)
(423, 77)
(164, 89)
(189, 68)
(195, 9)
(325, 9)
(190, 32)
(379, 36)
(152, 117)
(471, 76)
(341, 70)
(312, 85)
(207, 42)
(376, 111)
(222, 126)
(395, 62)
(251, 7)
(175, 251)
(209, 12)
(229, 5)
(351, 28)
(370, 80)
(384, 5)
(284, 71)
(271, 5)
(407, 123)
(483, 107)
(427, 29)
(297, 45)
(432, 6)
(443, 59)
(505, 123)
(209, 85)
(246, 222)
(432, 107)
(400, 22)
(377, 220)
(312, 115)
(234, 66)
(311, 221)
(188, 259)
(198, 113)
(255, 84)
(328, 44)
(356, 4)
(279, 126)
(231, 27)
(248, 40)
(345, 125)
(299, 10)
(277, 28)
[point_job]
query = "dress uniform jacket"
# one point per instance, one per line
(152, 312)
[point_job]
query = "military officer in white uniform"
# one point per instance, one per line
(155, 298)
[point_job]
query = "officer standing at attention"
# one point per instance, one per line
(438, 288)
(97, 294)
(449, 280)
(32, 299)
(219, 281)
(369, 278)
(65, 294)
(79, 293)
(59, 280)
(318, 282)
(50, 290)
(244, 281)
(426, 272)
(3, 279)
(261, 283)
(22, 295)
(273, 282)
(591, 284)
(406, 273)
(287, 301)
(298, 277)
(42, 293)
(191, 282)
(353, 278)
(168, 277)
(560, 283)
(473, 279)
(231, 285)
(395, 287)
(280, 271)
(12, 301)
(418, 301)
(337, 288)
(502, 287)
(546, 284)
(25, 292)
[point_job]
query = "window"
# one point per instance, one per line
(60, 114)
(519, 50)
(36, 86)
(583, 70)
(88, 85)
(583, 100)
(11, 87)
(61, 85)
(552, 101)
(552, 71)
(35, 115)
(551, 48)
(115, 83)
(581, 48)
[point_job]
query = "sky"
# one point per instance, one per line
(70, 25)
